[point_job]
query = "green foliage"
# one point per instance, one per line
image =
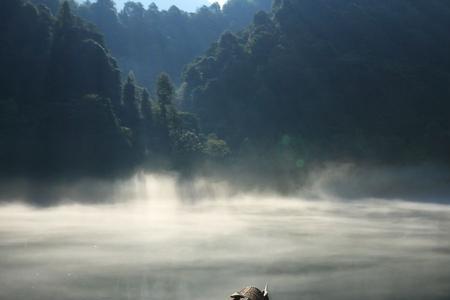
(65, 19)
(356, 80)
(189, 121)
(164, 90)
(84, 136)
(313, 80)
(131, 105)
(150, 41)
(216, 148)
(78, 55)
(64, 109)
(60, 94)
(147, 110)
(187, 147)
(242, 11)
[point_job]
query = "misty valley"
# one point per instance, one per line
(157, 153)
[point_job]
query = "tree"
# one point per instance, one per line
(294, 72)
(164, 90)
(130, 103)
(187, 147)
(165, 93)
(146, 106)
(147, 124)
(53, 5)
(216, 148)
(65, 16)
(129, 89)
(150, 41)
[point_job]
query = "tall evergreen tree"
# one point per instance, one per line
(147, 127)
(65, 16)
(164, 90)
(146, 106)
(130, 102)
(165, 93)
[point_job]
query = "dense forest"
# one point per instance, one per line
(65, 110)
(149, 41)
(319, 80)
(88, 90)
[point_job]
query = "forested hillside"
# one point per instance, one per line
(331, 80)
(310, 81)
(149, 41)
(64, 109)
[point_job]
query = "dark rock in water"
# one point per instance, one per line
(251, 293)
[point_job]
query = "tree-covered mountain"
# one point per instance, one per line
(64, 109)
(312, 80)
(331, 80)
(148, 41)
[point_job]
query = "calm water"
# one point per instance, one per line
(157, 245)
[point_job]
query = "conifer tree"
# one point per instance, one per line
(164, 92)
(65, 16)
(147, 127)
(130, 105)
(146, 106)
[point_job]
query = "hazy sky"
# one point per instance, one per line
(189, 5)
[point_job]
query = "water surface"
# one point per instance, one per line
(156, 245)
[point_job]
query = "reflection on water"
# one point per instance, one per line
(158, 247)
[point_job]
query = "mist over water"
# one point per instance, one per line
(160, 239)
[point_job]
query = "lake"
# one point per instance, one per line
(154, 242)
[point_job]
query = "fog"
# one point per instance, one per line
(158, 238)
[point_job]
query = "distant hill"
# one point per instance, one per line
(148, 39)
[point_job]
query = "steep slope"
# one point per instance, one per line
(149, 41)
(65, 111)
(332, 79)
